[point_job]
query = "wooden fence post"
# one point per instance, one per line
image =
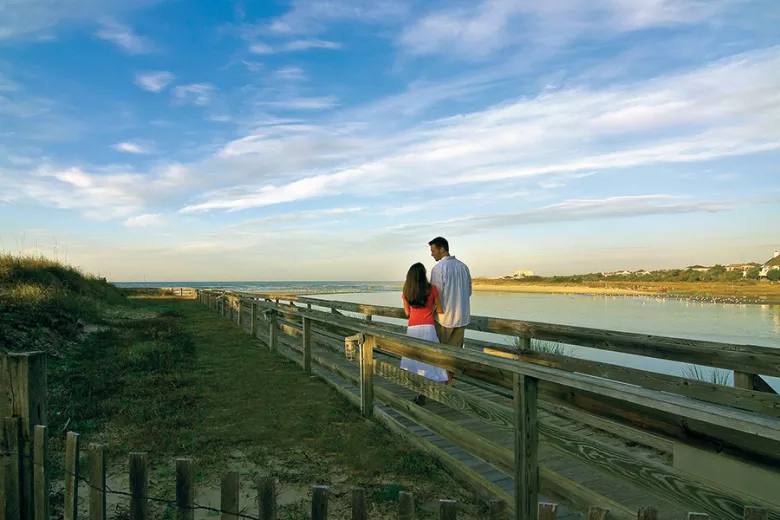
(273, 332)
(72, 448)
(41, 473)
(307, 345)
(139, 486)
(405, 506)
(319, 502)
(11, 504)
(23, 394)
(266, 498)
(229, 501)
(548, 511)
(597, 513)
(240, 311)
(185, 493)
(526, 444)
(497, 509)
(367, 376)
(97, 482)
(359, 504)
(448, 510)
(253, 328)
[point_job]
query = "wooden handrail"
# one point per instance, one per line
(740, 357)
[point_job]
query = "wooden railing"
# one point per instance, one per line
(665, 412)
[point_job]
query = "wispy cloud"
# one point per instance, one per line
(312, 16)
(571, 210)
(724, 109)
(145, 220)
(132, 147)
(290, 73)
(154, 81)
(274, 220)
(124, 37)
(293, 46)
(199, 94)
(480, 28)
(303, 103)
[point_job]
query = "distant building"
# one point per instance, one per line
(770, 265)
(699, 268)
(522, 274)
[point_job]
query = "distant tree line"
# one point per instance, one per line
(717, 273)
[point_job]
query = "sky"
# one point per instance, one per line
(332, 140)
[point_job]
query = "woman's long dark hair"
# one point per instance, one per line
(416, 288)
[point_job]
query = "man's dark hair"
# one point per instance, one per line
(440, 242)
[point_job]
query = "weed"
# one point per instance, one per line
(716, 376)
(545, 347)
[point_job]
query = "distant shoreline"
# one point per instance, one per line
(738, 293)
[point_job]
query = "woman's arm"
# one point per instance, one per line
(437, 305)
(406, 308)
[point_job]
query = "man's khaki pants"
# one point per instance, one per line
(450, 336)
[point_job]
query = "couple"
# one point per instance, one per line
(438, 311)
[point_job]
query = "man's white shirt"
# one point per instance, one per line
(453, 280)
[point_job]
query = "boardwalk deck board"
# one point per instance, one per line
(565, 465)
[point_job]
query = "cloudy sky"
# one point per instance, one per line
(314, 140)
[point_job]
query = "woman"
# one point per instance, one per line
(420, 300)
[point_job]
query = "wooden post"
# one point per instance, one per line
(359, 504)
(185, 494)
(405, 506)
(597, 513)
(41, 462)
(273, 333)
(523, 343)
(448, 510)
(266, 498)
(319, 502)
(72, 448)
(755, 513)
(526, 444)
(97, 482)
(548, 511)
(367, 376)
(307, 345)
(11, 504)
(697, 516)
(240, 311)
(744, 380)
(647, 513)
(23, 394)
(497, 509)
(229, 501)
(139, 486)
(369, 318)
(253, 327)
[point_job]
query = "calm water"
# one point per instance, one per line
(741, 324)
(744, 324)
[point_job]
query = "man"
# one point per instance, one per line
(453, 280)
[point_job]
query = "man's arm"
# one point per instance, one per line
(437, 279)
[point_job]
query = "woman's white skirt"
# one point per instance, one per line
(427, 333)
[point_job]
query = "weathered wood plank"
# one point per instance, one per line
(266, 498)
(97, 482)
(359, 504)
(72, 453)
(526, 445)
(366, 376)
(307, 344)
(139, 486)
(11, 492)
(229, 495)
(319, 502)
(41, 473)
(548, 511)
(185, 489)
(405, 506)
(448, 510)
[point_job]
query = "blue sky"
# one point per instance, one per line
(305, 140)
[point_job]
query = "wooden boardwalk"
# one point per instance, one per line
(453, 456)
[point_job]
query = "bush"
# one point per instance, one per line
(773, 275)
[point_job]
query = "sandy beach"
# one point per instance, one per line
(479, 285)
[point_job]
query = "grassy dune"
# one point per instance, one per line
(169, 377)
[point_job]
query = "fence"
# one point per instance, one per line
(701, 425)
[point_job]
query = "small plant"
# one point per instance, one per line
(716, 375)
(545, 347)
